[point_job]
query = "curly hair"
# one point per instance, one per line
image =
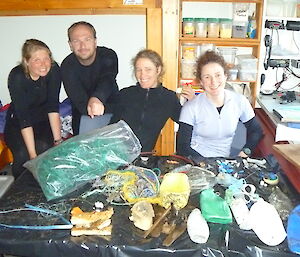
(210, 57)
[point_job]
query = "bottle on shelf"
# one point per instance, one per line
(188, 27)
(213, 27)
(201, 27)
(225, 28)
(251, 30)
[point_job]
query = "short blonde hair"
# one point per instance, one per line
(29, 47)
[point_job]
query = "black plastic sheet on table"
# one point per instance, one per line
(126, 240)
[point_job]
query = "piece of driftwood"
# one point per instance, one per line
(157, 222)
(177, 232)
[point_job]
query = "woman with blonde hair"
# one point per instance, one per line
(32, 120)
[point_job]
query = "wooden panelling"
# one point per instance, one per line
(87, 11)
(154, 29)
(13, 5)
(154, 42)
(170, 46)
(161, 31)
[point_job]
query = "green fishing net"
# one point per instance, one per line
(80, 159)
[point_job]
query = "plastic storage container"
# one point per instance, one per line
(228, 54)
(239, 29)
(247, 75)
(213, 27)
(190, 51)
(233, 72)
(188, 69)
(225, 28)
(201, 27)
(206, 47)
(188, 27)
(247, 61)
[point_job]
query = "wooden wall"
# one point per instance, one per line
(162, 33)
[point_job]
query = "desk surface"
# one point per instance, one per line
(126, 240)
(289, 151)
(270, 102)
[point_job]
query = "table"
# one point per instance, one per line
(289, 151)
(125, 241)
(269, 122)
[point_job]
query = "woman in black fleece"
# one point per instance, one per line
(32, 121)
(146, 106)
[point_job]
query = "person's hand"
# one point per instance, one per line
(242, 154)
(95, 107)
(32, 155)
(187, 92)
(58, 141)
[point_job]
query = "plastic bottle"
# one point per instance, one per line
(251, 30)
(241, 213)
(197, 227)
(225, 28)
(201, 27)
(188, 27)
(213, 27)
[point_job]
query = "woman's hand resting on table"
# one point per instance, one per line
(243, 155)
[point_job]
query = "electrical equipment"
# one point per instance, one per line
(295, 63)
(279, 63)
(288, 97)
(274, 24)
(293, 25)
(268, 41)
(268, 45)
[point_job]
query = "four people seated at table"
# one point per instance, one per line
(207, 122)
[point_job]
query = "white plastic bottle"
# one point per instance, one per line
(241, 213)
(197, 227)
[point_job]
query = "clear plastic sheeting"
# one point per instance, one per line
(77, 161)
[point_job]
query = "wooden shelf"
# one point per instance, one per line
(243, 42)
(230, 42)
(228, 1)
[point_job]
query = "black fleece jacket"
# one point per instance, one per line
(95, 80)
(146, 111)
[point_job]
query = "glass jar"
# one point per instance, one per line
(213, 27)
(201, 27)
(225, 28)
(188, 27)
